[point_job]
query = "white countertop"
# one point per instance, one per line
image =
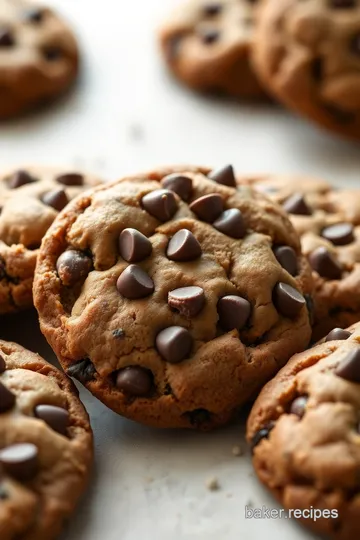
(127, 115)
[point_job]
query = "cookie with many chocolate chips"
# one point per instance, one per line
(38, 56)
(45, 446)
(30, 199)
(307, 53)
(162, 294)
(206, 44)
(305, 433)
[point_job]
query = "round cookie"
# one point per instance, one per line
(164, 297)
(45, 446)
(38, 56)
(206, 44)
(308, 55)
(304, 431)
(30, 199)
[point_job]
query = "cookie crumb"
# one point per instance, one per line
(212, 484)
(237, 450)
(149, 479)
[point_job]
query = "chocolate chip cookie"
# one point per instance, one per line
(38, 56)
(206, 44)
(166, 297)
(30, 199)
(307, 53)
(328, 221)
(304, 430)
(45, 446)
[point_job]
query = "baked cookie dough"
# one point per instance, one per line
(45, 446)
(168, 297)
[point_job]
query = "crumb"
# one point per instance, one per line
(213, 484)
(149, 479)
(237, 451)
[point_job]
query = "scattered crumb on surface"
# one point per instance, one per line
(237, 451)
(149, 479)
(212, 484)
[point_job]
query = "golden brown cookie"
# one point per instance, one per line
(307, 53)
(30, 199)
(206, 44)
(164, 296)
(305, 432)
(45, 446)
(38, 56)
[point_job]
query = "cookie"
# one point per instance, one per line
(328, 221)
(308, 55)
(304, 431)
(45, 446)
(30, 199)
(163, 295)
(38, 56)
(206, 44)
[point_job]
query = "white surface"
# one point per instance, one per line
(127, 115)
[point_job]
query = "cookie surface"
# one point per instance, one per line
(206, 44)
(30, 199)
(45, 446)
(308, 55)
(304, 429)
(159, 300)
(38, 56)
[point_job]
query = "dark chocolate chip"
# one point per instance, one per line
(209, 36)
(325, 264)
(199, 417)
(174, 344)
(70, 179)
(183, 246)
(180, 184)
(6, 37)
(298, 406)
(84, 371)
(20, 461)
(317, 69)
(310, 307)
(340, 234)
(55, 417)
(134, 381)
(135, 283)
(161, 204)
(349, 367)
(234, 312)
(52, 53)
(260, 435)
(338, 334)
(20, 178)
(118, 333)
(7, 398)
(189, 301)
(73, 266)
(56, 198)
(134, 246)
(342, 4)
(208, 208)
(286, 256)
(34, 15)
(297, 205)
(355, 44)
(212, 9)
(3, 493)
(231, 222)
(288, 301)
(224, 176)
(2, 364)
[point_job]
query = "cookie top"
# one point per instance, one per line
(206, 44)
(308, 55)
(30, 199)
(158, 292)
(38, 56)
(304, 429)
(45, 446)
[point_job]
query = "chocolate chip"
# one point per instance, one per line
(298, 406)
(118, 333)
(199, 417)
(355, 44)
(52, 53)
(310, 308)
(234, 312)
(134, 246)
(20, 178)
(2, 364)
(20, 461)
(286, 256)
(224, 176)
(189, 301)
(338, 334)
(340, 234)
(288, 301)
(6, 37)
(297, 205)
(55, 417)
(70, 179)
(324, 263)
(33, 15)
(260, 435)
(56, 198)
(183, 246)
(73, 266)
(209, 36)
(7, 398)
(135, 283)
(182, 185)
(212, 9)
(3, 493)
(231, 223)
(134, 381)
(208, 207)
(349, 367)
(84, 371)
(161, 204)
(174, 344)
(342, 4)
